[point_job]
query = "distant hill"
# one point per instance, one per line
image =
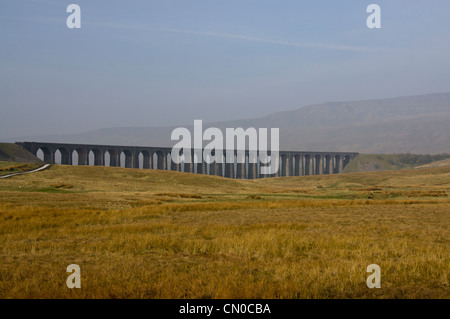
(414, 124)
(382, 162)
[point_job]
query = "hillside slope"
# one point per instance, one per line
(382, 162)
(441, 163)
(14, 153)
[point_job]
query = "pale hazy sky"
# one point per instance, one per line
(153, 63)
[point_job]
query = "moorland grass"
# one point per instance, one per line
(7, 168)
(156, 234)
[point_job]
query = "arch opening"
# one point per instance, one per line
(126, 159)
(58, 156)
(44, 154)
(74, 156)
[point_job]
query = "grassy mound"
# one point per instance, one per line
(15, 153)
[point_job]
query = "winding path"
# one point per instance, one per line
(33, 171)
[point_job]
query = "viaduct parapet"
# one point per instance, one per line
(290, 163)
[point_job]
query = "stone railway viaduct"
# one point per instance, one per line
(290, 163)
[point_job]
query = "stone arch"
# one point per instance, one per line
(276, 161)
(218, 166)
(258, 167)
(284, 164)
(57, 156)
(211, 166)
(65, 156)
(146, 157)
(182, 166)
(198, 163)
(206, 165)
(235, 165)
(96, 157)
(99, 157)
(168, 160)
(91, 158)
(126, 159)
(191, 168)
(161, 160)
(308, 164)
(74, 157)
(82, 156)
(44, 154)
(240, 165)
(337, 164)
(246, 166)
(154, 161)
(194, 165)
(252, 166)
(298, 165)
(266, 159)
(317, 164)
(186, 167)
(229, 164)
(171, 165)
(328, 165)
(111, 158)
(106, 158)
(61, 156)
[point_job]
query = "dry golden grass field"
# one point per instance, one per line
(159, 234)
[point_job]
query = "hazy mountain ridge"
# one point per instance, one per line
(415, 124)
